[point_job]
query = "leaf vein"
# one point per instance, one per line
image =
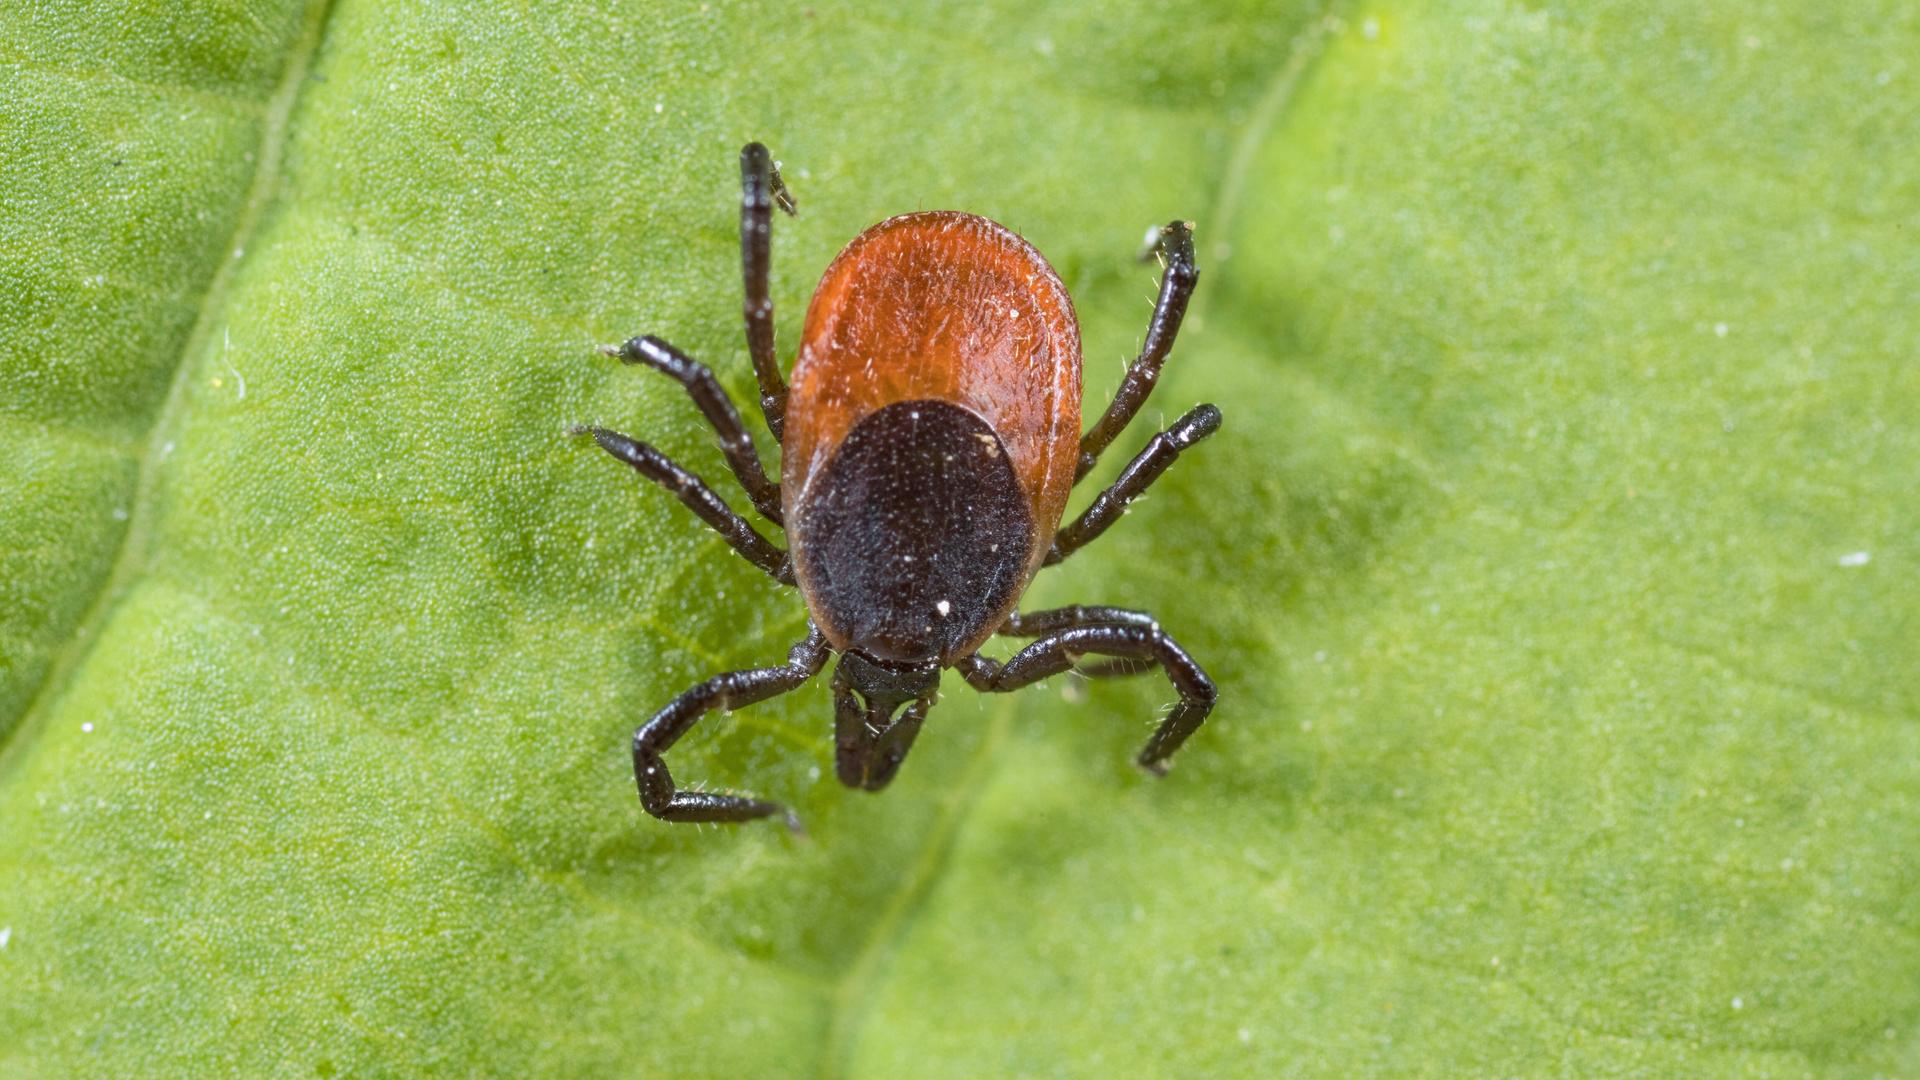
(129, 561)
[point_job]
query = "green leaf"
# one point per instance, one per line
(1556, 560)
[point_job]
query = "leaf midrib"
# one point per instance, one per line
(129, 558)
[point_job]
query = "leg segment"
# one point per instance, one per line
(717, 407)
(760, 190)
(698, 497)
(1060, 650)
(728, 691)
(1036, 623)
(1143, 470)
(1113, 669)
(1174, 245)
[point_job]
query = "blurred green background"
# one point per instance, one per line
(1556, 561)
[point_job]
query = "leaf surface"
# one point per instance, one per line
(1556, 558)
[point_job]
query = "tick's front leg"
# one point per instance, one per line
(1173, 242)
(761, 189)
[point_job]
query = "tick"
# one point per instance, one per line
(928, 445)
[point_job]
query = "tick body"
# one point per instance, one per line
(933, 431)
(929, 446)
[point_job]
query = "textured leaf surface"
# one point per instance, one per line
(1557, 558)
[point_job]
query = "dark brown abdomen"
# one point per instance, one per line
(917, 537)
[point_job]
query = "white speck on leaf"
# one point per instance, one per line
(87, 728)
(1856, 558)
(240, 381)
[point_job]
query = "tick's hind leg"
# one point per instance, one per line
(1174, 244)
(761, 189)
(735, 441)
(728, 691)
(1059, 650)
(1146, 467)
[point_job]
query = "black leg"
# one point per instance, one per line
(1143, 470)
(1175, 248)
(1061, 649)
(760, 190)
(698, 497)
(717, 407)
(728, 691)
(1035, 623)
